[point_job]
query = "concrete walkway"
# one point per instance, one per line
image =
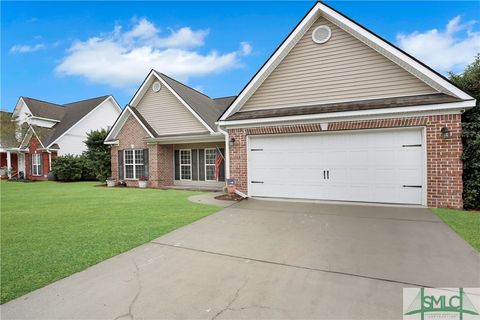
(260, 259)
(209, 198)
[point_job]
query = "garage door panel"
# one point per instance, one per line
(362, 166)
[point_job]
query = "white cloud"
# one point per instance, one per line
(122, 59)
(448, 50)
(246, 48)
(23, 48)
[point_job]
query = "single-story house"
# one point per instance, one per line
(335, 113)
(53, 130)
(168, 134)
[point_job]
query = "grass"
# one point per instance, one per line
(465, 223)
(50, 230)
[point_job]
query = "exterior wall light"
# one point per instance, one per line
(445, 133)
(231, 142)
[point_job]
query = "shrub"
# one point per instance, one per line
(67, 168)
(469, 81)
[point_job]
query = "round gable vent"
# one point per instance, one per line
(156, 86)
(321, 34)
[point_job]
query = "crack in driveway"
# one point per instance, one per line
(235, 297)
(129, 314)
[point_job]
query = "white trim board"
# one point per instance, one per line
(375, 42)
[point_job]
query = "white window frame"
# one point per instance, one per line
(36, 165)
(185, 165)
(210, 164)
(134, 164)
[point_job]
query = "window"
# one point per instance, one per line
(36, 163)
(134, 164)
(210, 155)
(185, 164)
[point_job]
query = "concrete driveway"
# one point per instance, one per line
(266, 259)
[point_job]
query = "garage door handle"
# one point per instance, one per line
(326, 174)
(411, 186)
(256, 181)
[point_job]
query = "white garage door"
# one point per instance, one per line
(373, 166)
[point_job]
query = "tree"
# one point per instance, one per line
(98, 154)
(8, 130)
(469, 81)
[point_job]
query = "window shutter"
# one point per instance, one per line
(40, 168)
(177, 165)
(221, 174)
(201, 163)
(120, 164)
(195, 164)
(146, 163)
(30, 165)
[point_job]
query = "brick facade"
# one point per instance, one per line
(34, 147)
(161, 156)
(444, 165)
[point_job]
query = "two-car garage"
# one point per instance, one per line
(379, 165)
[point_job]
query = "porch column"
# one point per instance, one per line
(9, 165)
(49, 161)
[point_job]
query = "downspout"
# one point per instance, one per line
(227, 153)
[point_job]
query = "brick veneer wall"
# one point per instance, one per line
(33, 147)
(444, 164)
(160, 167)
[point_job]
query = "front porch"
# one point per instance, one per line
(186, 165)
(10, 163)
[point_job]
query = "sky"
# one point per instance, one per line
(68, 51)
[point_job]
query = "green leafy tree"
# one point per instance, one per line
(10, 130)
(469, 81)
(98, 154)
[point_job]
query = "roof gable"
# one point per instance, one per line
(413, 66)
(166, 114)
(122, 119)
(73, 113)
(204, 109)
(340, 70)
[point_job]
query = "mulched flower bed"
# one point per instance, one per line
(233, 197)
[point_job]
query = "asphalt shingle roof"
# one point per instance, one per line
(347, 106)
(67, 115)
(44, 109)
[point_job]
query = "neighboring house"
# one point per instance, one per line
(336, 113)
(168, 134)
(55, 130)
(7, 140)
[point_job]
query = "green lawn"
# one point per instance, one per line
(50, 230)
(465, 223)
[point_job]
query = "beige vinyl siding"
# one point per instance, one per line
(166, 114)
(342, 69)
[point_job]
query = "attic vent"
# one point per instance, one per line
(321, 34)
(156, 86)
